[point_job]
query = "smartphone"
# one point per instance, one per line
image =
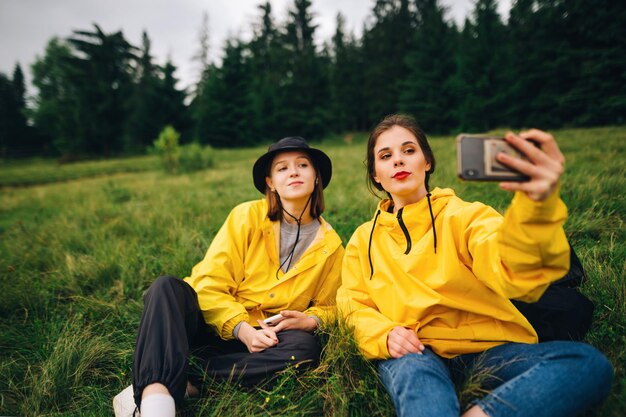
(476, 159)
(274, 320)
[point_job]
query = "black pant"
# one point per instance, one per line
(172, 328)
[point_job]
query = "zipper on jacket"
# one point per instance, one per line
(406, 232)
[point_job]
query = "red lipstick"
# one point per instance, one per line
(400, 175)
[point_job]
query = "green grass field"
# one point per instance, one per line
(78, 250)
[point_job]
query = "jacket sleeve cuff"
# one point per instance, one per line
(528, 210)
(317, 319)
(229, 326)
(382, 347)
(322, 314)
(236, 330)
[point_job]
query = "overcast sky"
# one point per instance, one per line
(173, 26)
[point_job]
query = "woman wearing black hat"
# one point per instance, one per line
(250, 307)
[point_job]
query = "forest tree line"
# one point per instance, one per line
(552, 63)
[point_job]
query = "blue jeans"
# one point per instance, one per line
(548, 379)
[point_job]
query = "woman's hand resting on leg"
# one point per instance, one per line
(257, 340)
(402, 341)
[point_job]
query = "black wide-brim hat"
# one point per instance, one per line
(291, 143)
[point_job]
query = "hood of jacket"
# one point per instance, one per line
(414, 216)
(411, 222)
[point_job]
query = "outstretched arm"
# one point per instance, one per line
(530, 243)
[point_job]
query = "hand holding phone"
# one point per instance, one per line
(274, 320)
(291, 320)
(535, 172)
(476, 159)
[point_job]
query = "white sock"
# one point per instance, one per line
(158, 405)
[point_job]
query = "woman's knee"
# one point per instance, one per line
(591, 370)
(163, 284)
(300, 345)
(595, 366)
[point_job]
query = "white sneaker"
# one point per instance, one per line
(124, 403)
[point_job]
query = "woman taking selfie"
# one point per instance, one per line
(274, 256)
(426, 285)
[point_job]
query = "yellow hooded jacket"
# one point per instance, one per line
(456, 299)
(236, 281)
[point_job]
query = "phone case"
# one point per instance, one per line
(476, 159)
(274, 320)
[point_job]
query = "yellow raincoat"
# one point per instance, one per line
(457, 299)
(236, 280)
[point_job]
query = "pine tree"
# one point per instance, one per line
(481, 76)
(385, 47)
(202, 56)
(56, 112)
(144, 120)
(596, 32)
(174, 111)
(523, 83)
(19, 86)
(21, 137)
(101, 72)
(346, 81)
(10, 119)
(223, 118)
(265, 52)
(427, 91)
(304, 96)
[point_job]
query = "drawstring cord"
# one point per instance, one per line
(293, 249)
(369, 246)
(432, 221)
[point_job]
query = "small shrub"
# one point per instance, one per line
(194, 157)
(166, 146)
(178, 159)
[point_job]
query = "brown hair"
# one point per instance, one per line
(316, 205)
(387, 123)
